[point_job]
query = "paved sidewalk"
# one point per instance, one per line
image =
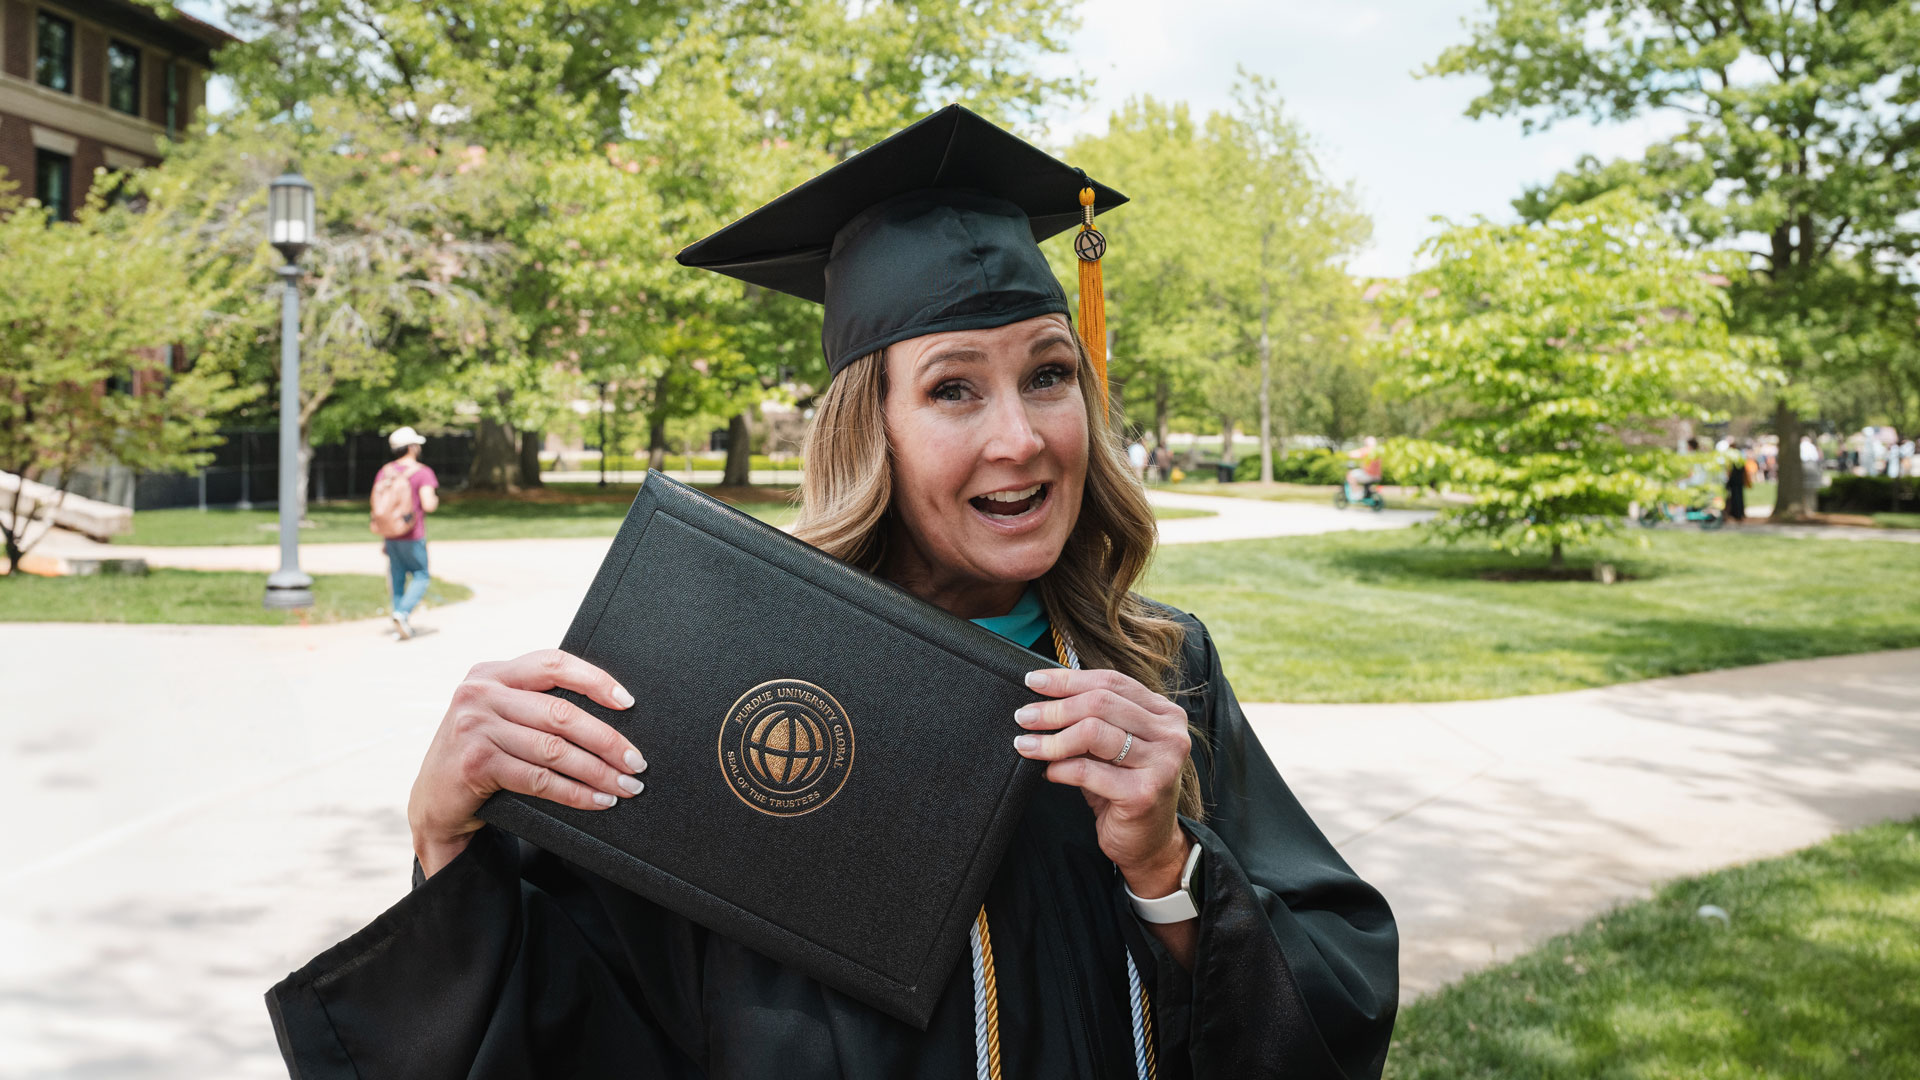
(1491, 825)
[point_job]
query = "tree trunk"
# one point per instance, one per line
(1162, 398)
(496, 460)
(657, 439)
(1790, 504)
(530, 458)
(739, 451)
(1226, 441)
(1558, 559)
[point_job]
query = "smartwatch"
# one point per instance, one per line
(1178, 906)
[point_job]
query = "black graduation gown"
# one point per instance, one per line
(511, 962)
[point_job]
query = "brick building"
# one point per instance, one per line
(86, 84)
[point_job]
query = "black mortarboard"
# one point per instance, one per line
(936, 227)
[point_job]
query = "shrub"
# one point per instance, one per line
(1870, 495)
(1314, 465)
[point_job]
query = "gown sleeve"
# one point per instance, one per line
(505, 964)
(1296, 971)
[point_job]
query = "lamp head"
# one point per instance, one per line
(290, 215)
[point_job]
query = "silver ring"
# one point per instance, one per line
(1124, 748)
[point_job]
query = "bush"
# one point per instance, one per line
(1315, 465)
(1869, 495)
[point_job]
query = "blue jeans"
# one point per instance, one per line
(407, 566)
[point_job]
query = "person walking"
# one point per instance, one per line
(1736, 462)
(1137, 459)
(405, 491)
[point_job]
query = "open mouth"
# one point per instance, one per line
(1012, 504)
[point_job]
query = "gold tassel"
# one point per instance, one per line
(1090, 245)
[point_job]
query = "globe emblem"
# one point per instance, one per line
(787, 749)
(1090, 245)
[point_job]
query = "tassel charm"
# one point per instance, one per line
(1090, 246)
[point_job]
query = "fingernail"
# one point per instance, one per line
(603, 800)
(621, 696)
(1037, 679)
(629, 784)
(1026, 714)
(636, 763)
(1026, 742)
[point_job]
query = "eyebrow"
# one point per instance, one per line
(962, 354)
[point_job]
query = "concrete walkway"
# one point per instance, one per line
(1491, 825)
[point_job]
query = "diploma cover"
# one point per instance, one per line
(831, 777)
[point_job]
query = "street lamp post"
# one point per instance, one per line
(290, 229)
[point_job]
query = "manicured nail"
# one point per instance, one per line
(629, 784)
(603, 800)
(1026, 714)
(1038, 679)
(1026, 742)
(636, 763)
(624, 699)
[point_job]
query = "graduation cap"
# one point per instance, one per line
(937, 227)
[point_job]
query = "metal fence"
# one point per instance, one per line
(245, 471)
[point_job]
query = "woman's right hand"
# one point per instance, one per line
(502, 733)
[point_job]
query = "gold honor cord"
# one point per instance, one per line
(986, 993)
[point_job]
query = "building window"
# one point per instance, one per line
(173, 97)
(123, 77)
(52, 180)
(53, 57)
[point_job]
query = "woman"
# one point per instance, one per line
(1166, 907)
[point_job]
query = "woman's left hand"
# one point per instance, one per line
(1133, 788)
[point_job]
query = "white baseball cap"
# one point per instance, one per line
(406, 436)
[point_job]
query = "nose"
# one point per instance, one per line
(1011, 436)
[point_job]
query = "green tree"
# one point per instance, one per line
(1560, 346)
(1226, 270)
(1800, 123)
(90, 319)
(715, 105)
(403, 312)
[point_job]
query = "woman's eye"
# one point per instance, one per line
(1048, 377)
(949, 391)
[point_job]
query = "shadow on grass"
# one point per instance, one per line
(1419, 560)
(1817, 975)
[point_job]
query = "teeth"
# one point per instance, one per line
(1012, 496)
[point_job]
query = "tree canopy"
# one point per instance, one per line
(1800, 122)
(1559, 347)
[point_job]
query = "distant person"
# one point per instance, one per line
(1137, 457)
(1163, 462)
(1812, 465)
(1368, 468)
(404, 493)
(1736, 483)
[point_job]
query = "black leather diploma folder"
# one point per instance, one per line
(831, 777)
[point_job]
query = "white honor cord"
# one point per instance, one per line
(980, 1057)
(1136, 995)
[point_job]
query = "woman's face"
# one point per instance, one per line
(989, 437)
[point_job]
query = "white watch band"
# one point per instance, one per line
(1177, 906)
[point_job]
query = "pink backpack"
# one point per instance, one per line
(393, 503)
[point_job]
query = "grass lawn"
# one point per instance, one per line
(195, 596)
(1385, 616)
(1817, 974)
(1897, 521)
(560, 510)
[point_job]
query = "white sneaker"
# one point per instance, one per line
(401, 626)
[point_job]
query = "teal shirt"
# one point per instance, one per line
(1025, 624)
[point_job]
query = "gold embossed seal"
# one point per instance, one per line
(786, 747)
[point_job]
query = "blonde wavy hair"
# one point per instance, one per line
(847, 498)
